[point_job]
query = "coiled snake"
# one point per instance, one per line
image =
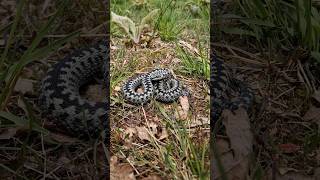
(61, 99)
(60, 96)
(158, 84)
(222, 82)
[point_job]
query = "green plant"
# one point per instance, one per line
(13, 70)
(290, 24)
(168, 23)
(195, 65)
(130, 27)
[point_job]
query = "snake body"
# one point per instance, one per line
(158, 84)
(222, 83)
(60, 97)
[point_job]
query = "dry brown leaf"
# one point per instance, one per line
(289, 176)
(62, 138)
(222, 145)
(143, 133)
(312, 114)
(129, 132)
(289, 148)
(24, 86)
(184, 102)
(117, 88)
(192, 49)
(316, 95)
(183, 109)
(199, 122)
(156, 119)
(285, 170)
(22, 105)
(127, 136)
(176, 60)
(238, 130)
(63, 159)
(114, 48)
(151, 177)
(113, 161)
(241, 140)
(120, 171)
(96, 93)
(226, 158)
(140, 90)
(164, 134)
(8, 133)
(153, 127)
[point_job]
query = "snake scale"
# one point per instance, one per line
(59, 92)
(222, 83)
(158, 84)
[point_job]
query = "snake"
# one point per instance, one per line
(222, 83)
(158, 84)
(60, 97)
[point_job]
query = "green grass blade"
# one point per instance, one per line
(21, 122)
(12, 32)
(45, 51)
(12, 171)
(44, 30)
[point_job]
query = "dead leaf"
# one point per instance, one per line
(288, 176)
(184, 102)
(164, 134)
(238, 130)
(152, 177)
(96, 93)
(226, 158)
(183, 109)
(8, 133)
(316, 95)
(222, 145)
(24, 86)
(156, 119)
(176, 60)
(143, 133)
(153, 127)
(22, 105)
(200, 121)
(289, 148)
(129, 132)
(117, 88)
(63, 159)
(192, 49)
(127, 136)
(120, 171)
(313, 114)
(63, 138)
(236, 164)
(140, 90)
(284, 170)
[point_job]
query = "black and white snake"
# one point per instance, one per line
(61, 99)
(158, 84)
(221, 84)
